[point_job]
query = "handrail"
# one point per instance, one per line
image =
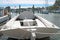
(46, 23)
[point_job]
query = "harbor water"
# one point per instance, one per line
(55, 19)
(52, 17)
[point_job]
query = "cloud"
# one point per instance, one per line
(25, 2)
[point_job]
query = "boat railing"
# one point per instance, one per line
(46, 23)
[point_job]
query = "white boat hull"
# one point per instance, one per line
(15, 30)
(24, 34)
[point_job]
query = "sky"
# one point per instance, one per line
(26, 3)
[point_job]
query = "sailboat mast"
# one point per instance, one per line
(19, 9)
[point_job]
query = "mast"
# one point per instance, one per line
(19, 9)
(33, 9)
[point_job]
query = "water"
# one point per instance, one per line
(55, 19)
(12, 15)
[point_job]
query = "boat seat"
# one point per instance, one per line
(16, 24)
(28, 22)
(39, 23)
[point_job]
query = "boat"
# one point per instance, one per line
(27, 25)
(55, 11)
(45, 11)
(3, 16)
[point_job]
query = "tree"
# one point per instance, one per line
(55, 6)
(57, 3)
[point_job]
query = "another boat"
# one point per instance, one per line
(3, 16)
(28, 26)
(44, 11)
(55, 11)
